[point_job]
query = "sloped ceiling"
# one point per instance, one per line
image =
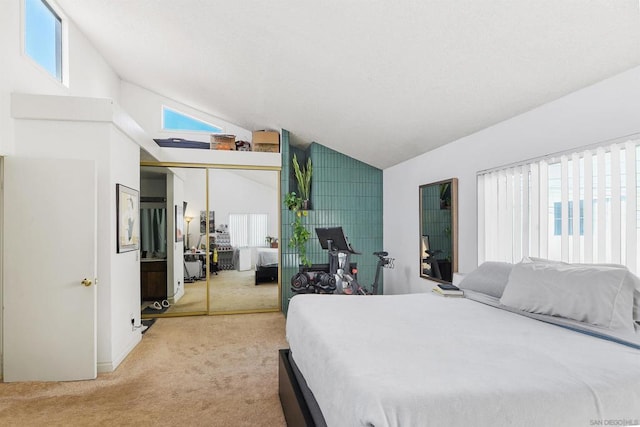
(379, 80)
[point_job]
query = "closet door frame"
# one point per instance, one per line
(207, 167)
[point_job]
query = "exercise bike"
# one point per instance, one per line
(339, 276)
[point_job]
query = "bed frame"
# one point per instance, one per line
(297, 411)
(266, 273)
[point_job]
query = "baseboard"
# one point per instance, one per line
(178, 294)
(106, 367)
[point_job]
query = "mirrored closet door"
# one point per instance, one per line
(209, 240)
(172, 278)
(244, 206)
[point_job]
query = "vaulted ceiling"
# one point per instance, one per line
(379, 80)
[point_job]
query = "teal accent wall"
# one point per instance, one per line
(344, 192)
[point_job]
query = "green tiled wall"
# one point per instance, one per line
(344, 192)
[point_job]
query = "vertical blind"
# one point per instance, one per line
(248, 229)
(578, 206)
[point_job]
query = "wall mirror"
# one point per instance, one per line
(439, 230)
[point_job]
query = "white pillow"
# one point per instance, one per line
(601, 295)
(489, 278)
(633, 278)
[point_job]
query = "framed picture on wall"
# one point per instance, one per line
(128, 218)
(179, 223)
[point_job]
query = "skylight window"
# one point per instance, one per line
(43, 36)
(174, 120)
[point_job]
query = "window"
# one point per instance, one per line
(530, 209)
(43, 36)
(248, 230)
(174, 120)
(557, 218)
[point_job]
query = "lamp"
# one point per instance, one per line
(188, 219)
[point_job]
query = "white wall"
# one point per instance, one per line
(89, 74)
(606, 110)
(117, 159)
(123, 284)
(175, 258)
(231, 192)
(112, 141)
(195, 194)
(145, 107)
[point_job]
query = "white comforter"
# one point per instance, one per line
(425, 360)
(267, 256)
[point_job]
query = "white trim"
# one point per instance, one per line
(106, 367)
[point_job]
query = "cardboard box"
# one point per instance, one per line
(266, 148)
(229, 146)
(266, 141)
(223, 142)
(266, 137)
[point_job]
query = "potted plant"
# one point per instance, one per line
(272, 241)
(303, 176)
(300, 235)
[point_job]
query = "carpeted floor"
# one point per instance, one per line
(230, 291)
(187, 371)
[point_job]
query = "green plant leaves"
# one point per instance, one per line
(303, 176)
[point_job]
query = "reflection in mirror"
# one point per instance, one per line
(245, 206)
(171, 282)
(439, 230)
(190, 191)
(210, 244)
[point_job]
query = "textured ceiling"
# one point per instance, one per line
(379, 80)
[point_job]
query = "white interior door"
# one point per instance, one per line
(49, 248)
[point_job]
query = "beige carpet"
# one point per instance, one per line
(230, 291)
(187, 371)
(236, 290)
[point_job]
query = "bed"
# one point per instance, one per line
(266, 265)
(422, 359)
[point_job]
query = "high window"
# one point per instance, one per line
(576, 207)
(43, 36)
(175, 120)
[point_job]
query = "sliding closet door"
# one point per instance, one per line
(220, 228)
(245, 213)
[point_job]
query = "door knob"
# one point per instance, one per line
(86, 282)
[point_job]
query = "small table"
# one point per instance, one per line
(195, 264)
